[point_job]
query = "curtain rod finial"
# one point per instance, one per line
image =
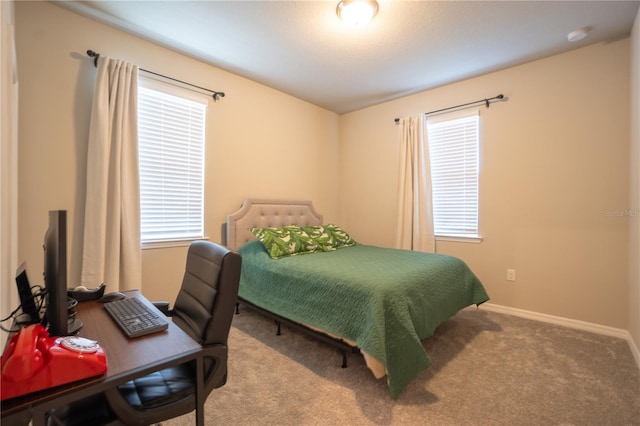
(94, 55)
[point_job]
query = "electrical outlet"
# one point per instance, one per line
(511, 274)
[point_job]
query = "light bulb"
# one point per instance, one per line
(357, 13)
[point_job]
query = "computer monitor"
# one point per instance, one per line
(30, 311)
(55, 277)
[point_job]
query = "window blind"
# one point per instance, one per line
(171, 133)
(454, 156)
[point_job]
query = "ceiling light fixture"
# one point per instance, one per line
(357, 13)
(578, 34)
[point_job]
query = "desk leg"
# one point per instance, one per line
(200, 400)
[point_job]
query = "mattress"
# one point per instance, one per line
(384, 300)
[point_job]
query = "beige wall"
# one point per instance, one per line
(260, 142)
(634, 205)
(554, 160)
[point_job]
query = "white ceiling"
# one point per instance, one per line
(301, 47)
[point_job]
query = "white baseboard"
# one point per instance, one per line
(567, 322)
(634, 349)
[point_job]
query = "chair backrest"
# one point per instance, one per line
(206, 300)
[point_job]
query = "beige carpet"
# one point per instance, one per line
(487, 369)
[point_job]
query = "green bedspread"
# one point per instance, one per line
(384, 300)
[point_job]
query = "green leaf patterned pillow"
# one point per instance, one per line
(329, 237)
(285, 241)
(339, 236)
(324, 239)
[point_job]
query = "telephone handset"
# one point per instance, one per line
(26, 355)
(35, 361)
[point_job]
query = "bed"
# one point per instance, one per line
(381, 302)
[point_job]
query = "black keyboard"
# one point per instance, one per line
(136, 317)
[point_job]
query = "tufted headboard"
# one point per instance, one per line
(256, 213)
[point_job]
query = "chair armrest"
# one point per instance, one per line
(163, 307)
(215, 357)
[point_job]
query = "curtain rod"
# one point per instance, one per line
(486, 101)
(216, 95)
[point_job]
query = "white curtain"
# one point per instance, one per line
(415, 209)
(111, 249)
(8, 162)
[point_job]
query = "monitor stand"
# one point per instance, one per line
(73, 323)
(73, 326)
(26, 319)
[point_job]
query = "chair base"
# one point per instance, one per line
(91, 411)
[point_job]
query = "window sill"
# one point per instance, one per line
(459, 239)
(168, 244)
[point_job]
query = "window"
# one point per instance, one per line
(171, 124)
(453, 151)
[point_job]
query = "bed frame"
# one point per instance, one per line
(258, 213)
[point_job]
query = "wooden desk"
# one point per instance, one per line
(126, 360)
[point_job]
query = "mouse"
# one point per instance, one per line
(110, 297)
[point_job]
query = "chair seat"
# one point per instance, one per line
(160, 388)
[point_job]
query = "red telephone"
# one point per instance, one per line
(34, 361)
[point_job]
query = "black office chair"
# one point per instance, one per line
(204, 309)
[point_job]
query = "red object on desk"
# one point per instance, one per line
(35, 361)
